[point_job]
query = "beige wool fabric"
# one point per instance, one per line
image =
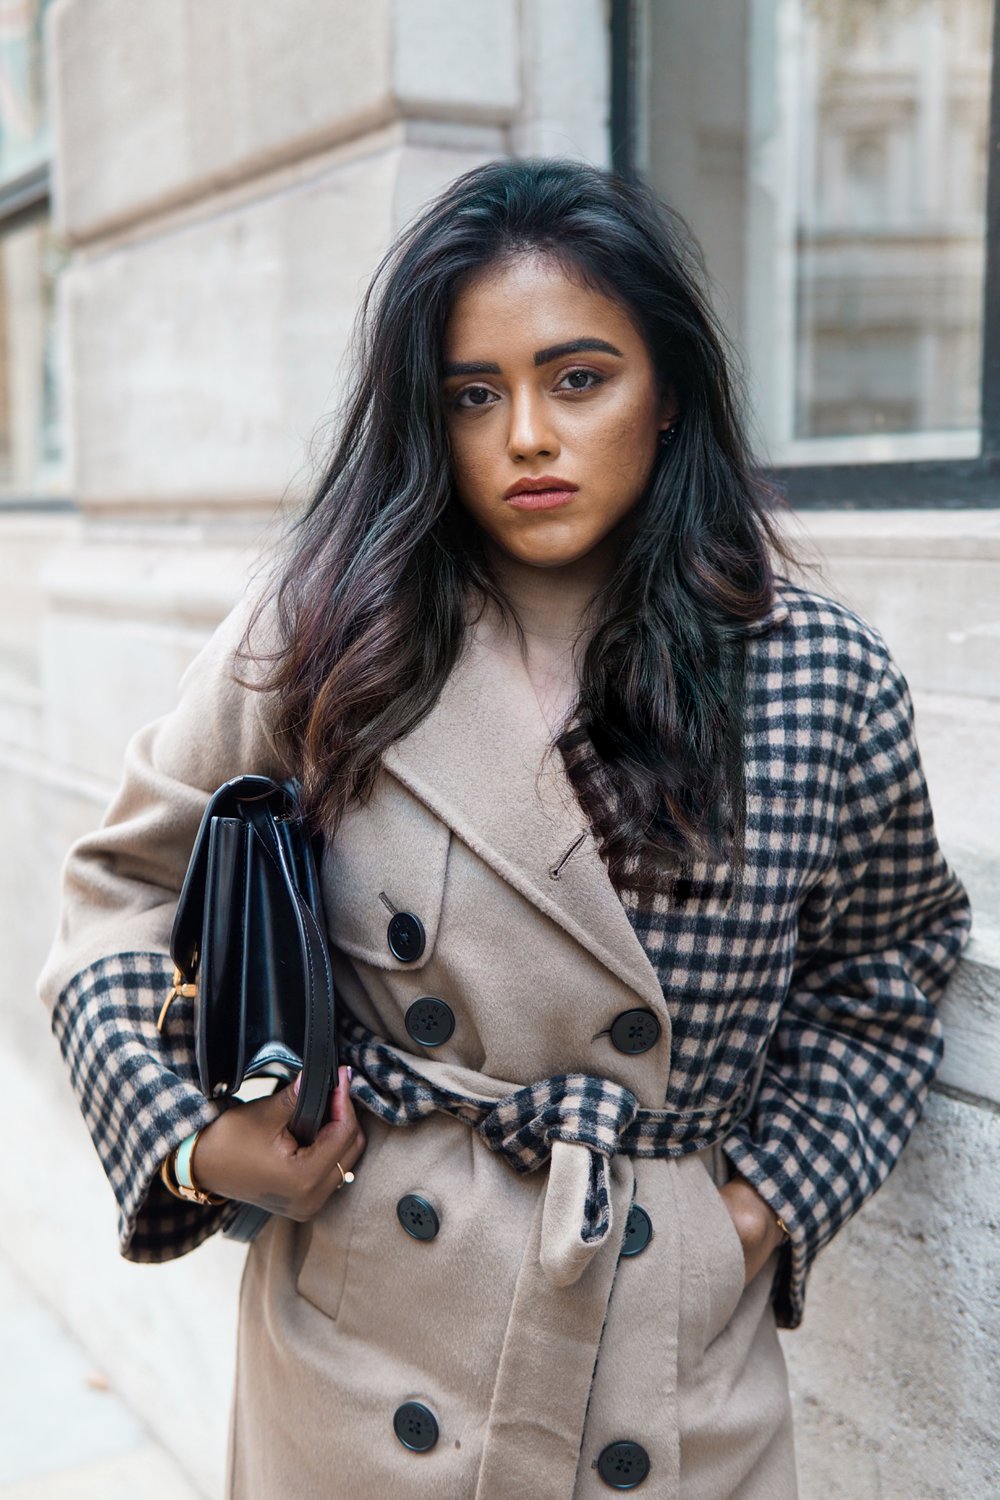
(344, 1319)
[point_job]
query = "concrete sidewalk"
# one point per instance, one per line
(64, 1434)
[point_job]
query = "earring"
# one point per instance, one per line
(668, 435)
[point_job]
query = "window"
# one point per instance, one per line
(831, 156)
(32, 467)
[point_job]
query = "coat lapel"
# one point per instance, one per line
(481, 762)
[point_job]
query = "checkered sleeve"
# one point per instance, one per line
(139, 1095)
(858, 1039)
(108, 970)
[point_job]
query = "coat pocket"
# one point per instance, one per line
(721, 1250)
(323, 1270)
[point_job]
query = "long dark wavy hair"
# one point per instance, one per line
(378, 571)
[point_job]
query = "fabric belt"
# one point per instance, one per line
(586, 1129)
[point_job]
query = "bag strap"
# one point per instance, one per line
(319, 1047)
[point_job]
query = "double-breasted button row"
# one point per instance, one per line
(623, 1465)
(632, 1031)
(430, 1022)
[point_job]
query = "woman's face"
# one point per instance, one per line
(546, 379)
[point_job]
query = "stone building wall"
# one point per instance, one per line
(226, 177)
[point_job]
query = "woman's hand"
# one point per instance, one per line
(756, 1224)
(250, 1154)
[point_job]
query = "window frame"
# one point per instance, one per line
(944, 484)
(26, 197)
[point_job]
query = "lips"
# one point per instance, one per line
(542, 493)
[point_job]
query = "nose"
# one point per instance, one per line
(531, 434)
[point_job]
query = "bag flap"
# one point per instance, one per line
(186, 932)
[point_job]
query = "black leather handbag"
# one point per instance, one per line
(249, 945)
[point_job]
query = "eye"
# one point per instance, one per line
(474, 395)
(581, 380)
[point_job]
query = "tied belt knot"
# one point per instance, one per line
(576, 1122)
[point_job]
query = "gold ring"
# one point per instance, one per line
(344, 1176)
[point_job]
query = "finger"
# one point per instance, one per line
(339, 1135)
(341, 1107)
(343, 1126)
(340, 1158)
(340, 1141)
(288, 1094)
(273, 1111)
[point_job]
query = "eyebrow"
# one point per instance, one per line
(576, 346)
(542, 357)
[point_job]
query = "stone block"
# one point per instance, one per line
(161, 104)
(157, 103)
(894, 1371)
(431, 158)
(929, 580)
(125, 619)
(207, 361)
(43, 810)
(451, 60)
(26, 541)
(970, 1013)
(959, 740)
(566, 72)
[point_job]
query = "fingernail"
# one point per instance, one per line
(350, 1072)
(295, 1086)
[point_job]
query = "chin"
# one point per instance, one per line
(553, 557)
(552, 552)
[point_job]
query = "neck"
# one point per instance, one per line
(551, 603)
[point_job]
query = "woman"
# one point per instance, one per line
(637, 913)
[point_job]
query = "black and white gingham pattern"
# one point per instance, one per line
(522, 1125)
(833, 951)
(139, 1095)
(826, 961)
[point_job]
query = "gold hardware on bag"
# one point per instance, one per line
(179, 987)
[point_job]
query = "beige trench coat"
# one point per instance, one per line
(494, 1324)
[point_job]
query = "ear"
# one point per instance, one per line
(669, 408)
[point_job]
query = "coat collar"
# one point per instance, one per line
(482, 763)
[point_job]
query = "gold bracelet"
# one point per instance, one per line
(186, 1195)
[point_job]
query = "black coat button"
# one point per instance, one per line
(417, 1216)
(429, 1021)
(635, 1031)
(416, 1426)
(406, 936)
(638, 1231)
(623, 1466)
